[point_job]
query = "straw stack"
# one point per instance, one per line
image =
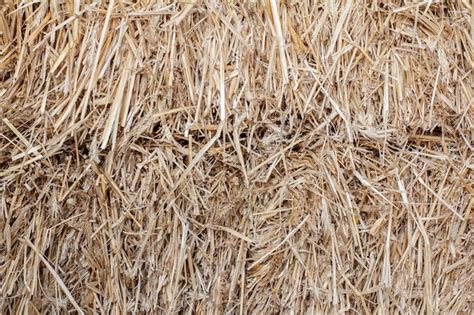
(238, 157)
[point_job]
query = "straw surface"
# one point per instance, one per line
(239, 157)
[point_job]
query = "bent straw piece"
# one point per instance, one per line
(279, 244)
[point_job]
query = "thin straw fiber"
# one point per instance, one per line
(236, 157)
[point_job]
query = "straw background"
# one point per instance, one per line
(237, 157)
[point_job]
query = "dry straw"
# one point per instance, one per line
(239, 157)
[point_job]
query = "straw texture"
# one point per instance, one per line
(238, 157)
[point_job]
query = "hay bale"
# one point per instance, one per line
(238, 157)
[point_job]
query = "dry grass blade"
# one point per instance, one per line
(56, 277)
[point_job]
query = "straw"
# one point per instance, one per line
(236, 157)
